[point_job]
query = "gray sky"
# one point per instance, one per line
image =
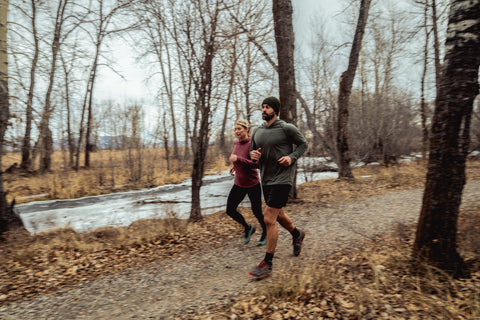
(111, 86)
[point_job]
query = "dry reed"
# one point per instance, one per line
(110, 171)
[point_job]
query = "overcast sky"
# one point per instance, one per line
(111, 86)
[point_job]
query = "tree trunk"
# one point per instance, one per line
(88, 144)
(285, 40)
(200, 147)
(166, 137)
(8, 219)
(231, 82)
(70, 139)
(169, 89)
(423, 111)
(345, 89)
(45, 140)
(26, 163)
(203, 113)
(436, 241)
(436, 46)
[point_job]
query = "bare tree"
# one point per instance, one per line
(345, 88)
(195, 32)
(26, 147)
(318, 74)
(68, 70)
(134, 116)
(423, 104)
(165, 137)
(156, 25)
(231, 82)
(101, 24)
(8, 218)
(203, 88)
(436, 236)
(436, 44)
(44, 145)
(254, 27)
(184, 55)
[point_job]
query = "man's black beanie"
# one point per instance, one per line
(272, 102)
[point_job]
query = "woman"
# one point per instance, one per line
(246, 182)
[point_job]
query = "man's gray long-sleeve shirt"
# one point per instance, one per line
(277, 141)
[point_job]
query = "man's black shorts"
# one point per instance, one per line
(276, 196)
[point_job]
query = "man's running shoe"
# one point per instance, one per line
(262, 241)
(262, 271)
(248, 234)
(297, 243)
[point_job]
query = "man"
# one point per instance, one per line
(272, 146)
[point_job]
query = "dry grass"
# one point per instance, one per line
(374, 281)
(110, 171)
(373, 180)
(31, 265)
(371, 282)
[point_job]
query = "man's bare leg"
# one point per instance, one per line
(285, 221)
(270, 217)
(298, 235)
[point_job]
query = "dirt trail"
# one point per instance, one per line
(182, 284)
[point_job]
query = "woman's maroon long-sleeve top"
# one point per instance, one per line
(246, 174)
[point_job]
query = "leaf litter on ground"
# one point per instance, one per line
(371, 282)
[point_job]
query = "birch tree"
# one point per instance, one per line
(436, 236)
(26, 162)
(8, 218)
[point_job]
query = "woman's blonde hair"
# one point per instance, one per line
(243, 123)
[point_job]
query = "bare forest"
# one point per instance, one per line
(367, 82)
(207, 64)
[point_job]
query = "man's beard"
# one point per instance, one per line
(267, 117)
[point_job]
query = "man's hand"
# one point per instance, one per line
(285, 161)
(256, 154)
(233, 157)
(232, 171)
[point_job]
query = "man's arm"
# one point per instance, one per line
(299, 140)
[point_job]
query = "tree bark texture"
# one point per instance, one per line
(8, 219)
(285, 40)
(436, 45)
(345, 89)
(436, 240)
(423, 105)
